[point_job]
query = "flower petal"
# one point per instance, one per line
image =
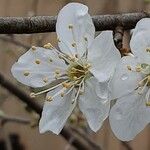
(124, 80)
(129, 116)
(36, 68)
(139, 45)
(92, 106)
(74, 25)
(103, 55)
(56, 112)
(142, 25)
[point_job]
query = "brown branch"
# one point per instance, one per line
(40, 24)
(78, 142)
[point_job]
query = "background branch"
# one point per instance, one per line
(40, 24)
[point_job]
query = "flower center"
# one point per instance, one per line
(77, 71)
(145, 82)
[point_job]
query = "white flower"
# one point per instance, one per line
(131, 85)
(81, 63)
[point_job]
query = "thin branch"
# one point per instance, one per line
(41, 24)
(78, 142)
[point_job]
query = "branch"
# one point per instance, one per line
(78, 142)
(41, 24)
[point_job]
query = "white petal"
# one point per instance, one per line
(38, 73)
(142, 25)
(139, 43)
(92, 106)
(74, 14)
(56, 112)
(103, 56)
(129, 116)
(124, 81)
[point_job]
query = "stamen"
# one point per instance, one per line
(48, 46)
(70, 26)
(33, 48)
(26, 73)
(129, 68)
(49, 98)
(37, 61)
(45, 80)
(47, 90)
(148, 98)
(148, 50)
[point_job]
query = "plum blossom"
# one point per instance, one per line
(131, 85)
(81, 68)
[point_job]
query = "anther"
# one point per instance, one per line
(75, 78)
(50, 60)
(33, 48)
(70, 26)
(147, 103)
(57, 71)
(49, 98)
(32, 94)
(148, 50)
(73, 44)
(26, 73)
(85, 38)
(66, 85)
(45, 80)
(129, 68)
(48, 46)
(138, 69)
(37, 61)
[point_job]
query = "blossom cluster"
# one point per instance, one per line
(88, 72)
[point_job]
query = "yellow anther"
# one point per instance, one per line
(33, 48)
(58, 39)
(50, 60)
(45, 80)
(75, 78)
(57, 76)
(62, 94)
(148, 50)
(37, 61)
(32, 94)
(26, 73)
(49, 98)
(66, 85)
(57, 71)
(129, 68)
(76, 55)
(85, 38)
(73, 59)
(70, 26)
(138, 69)
(48, 46)
(73, 44)
(147, 103)
(88, 65)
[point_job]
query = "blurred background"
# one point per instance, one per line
(25, 136)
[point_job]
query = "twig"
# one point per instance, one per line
(118, 37)
(67, 133)
(126, 145)
(6, 118)
(41, 24)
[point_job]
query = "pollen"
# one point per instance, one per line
(33, 48)
(32, 95)
(49, 98)
(45, 80)
(57, 71)
(50, 60)
(147, 103)
(37, 61)
(70, 26)
(138, 69)
(66, 85)
(26, 73)
(85, 38)
(148, 50)
(73, 44)
(129, 68)
(48, 46)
